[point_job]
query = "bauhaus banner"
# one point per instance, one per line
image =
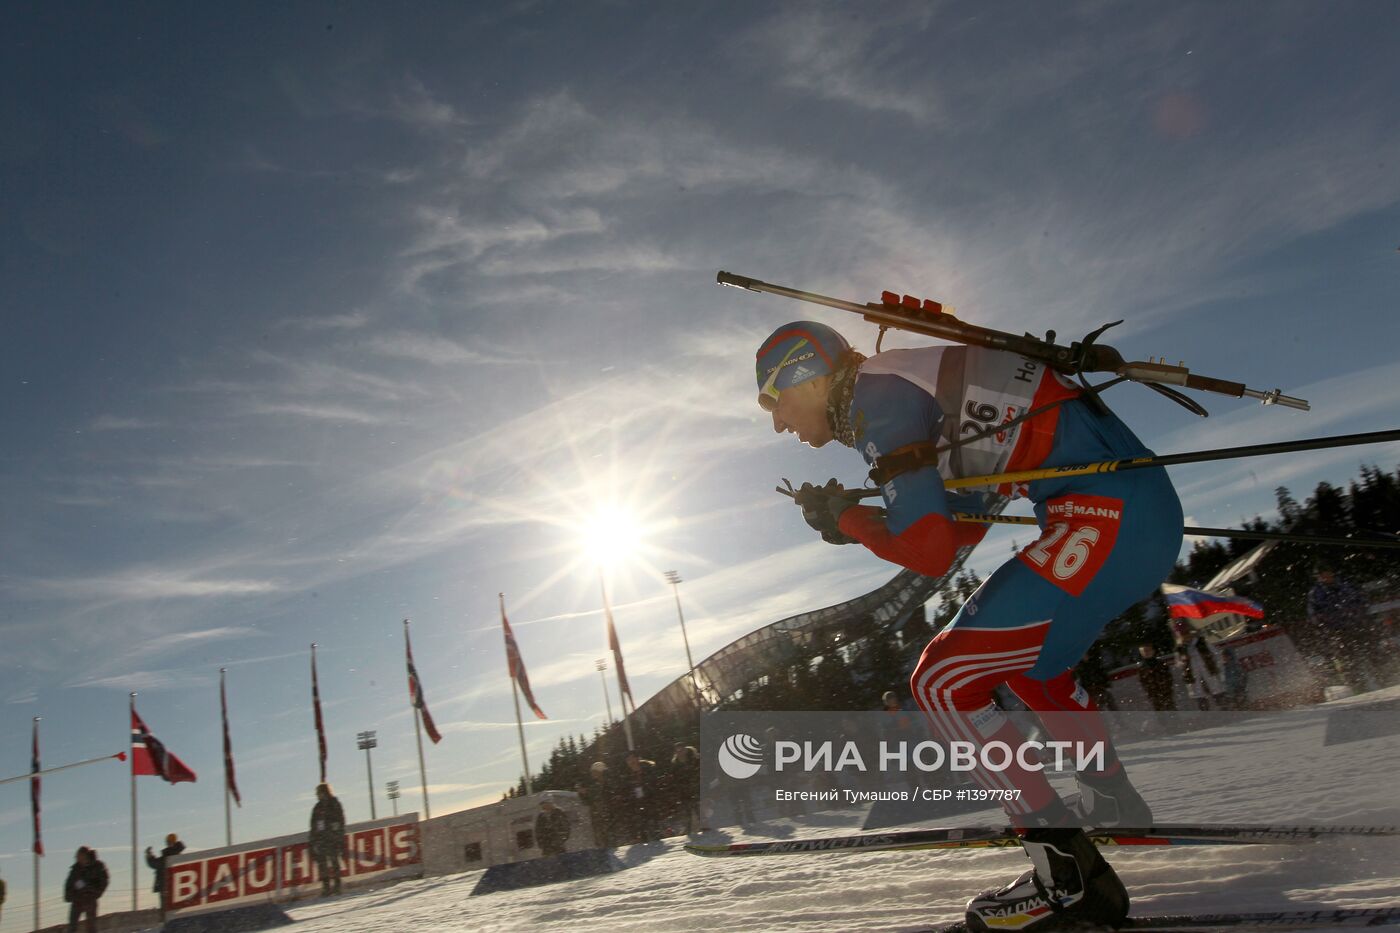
(282, 868)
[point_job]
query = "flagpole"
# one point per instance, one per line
(621, 696)
(418, 734)
(515, 695)
(134, 876)
(524, 759)
(320, 722)
(223, 716)
(422, 768)
(35, 846)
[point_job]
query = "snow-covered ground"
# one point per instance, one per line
(664, 888)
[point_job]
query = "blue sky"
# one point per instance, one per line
(317, 319)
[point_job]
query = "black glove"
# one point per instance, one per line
(822, 507)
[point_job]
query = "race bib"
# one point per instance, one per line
(1079, 534)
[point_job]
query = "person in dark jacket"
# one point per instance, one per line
(551, 829)
(1155, 675)
(639, 785)
(327, 839)
(1236, 680)
(598, 794)
(1338, 613)
(685, 785)
(173, 846)
(87, 880)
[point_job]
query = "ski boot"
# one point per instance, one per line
(1111, 802)
(1069, 885)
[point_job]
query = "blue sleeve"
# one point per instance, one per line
(887, 413)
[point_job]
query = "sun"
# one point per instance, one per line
(613, 535)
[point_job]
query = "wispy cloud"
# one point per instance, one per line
(350, 320)
(433, 350)
(310, 412)
(557, 191)
(144, 585)
(148, 680)
(171, 642)
(115, 423)
(412, 103)
(837, 57)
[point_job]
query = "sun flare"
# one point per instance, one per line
(613, 535)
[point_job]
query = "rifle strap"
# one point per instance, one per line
(920, 454)
(903, 460)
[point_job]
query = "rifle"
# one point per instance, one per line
(932, 319)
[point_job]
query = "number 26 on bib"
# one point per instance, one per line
(1080, 532)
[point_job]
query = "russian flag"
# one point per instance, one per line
(1186, 603)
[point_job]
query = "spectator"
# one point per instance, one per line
(173, 846)
(87, 880)
(740, 803)
(1236, 680)
(905, 724)
(1338, 615)
(901, 719)
(773, 782)
(639, 783)
(1155, 674)
(1202, 667)
(551, 829)
(1094, 680)
(1389, 653)
(685, 783)
(598, 794)
(327, 838)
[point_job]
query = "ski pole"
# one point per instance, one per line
(1240, 533)
(1165, 460)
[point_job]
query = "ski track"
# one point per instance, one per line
(667, 889)
(858, 893)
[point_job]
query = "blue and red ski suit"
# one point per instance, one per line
(1107, 540)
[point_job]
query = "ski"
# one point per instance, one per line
(987, 837)
(1263, 920)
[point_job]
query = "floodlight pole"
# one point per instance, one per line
(602, 665)
(393, 787)
(674, 579)
(366, 742)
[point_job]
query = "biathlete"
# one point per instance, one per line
(1106, 541)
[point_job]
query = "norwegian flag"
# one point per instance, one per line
(230, 781)
(316, 709)
(34, 783)
(617, 658)
(149, 755)
(516, 665)
(415, 690)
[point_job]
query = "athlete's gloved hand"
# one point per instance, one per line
(822, 507)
